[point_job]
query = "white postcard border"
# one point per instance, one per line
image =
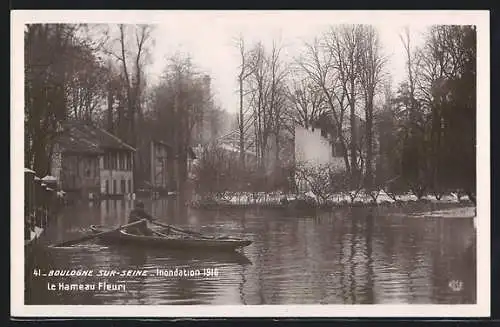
(481, 309)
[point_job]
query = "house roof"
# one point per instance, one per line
(162, 143)
(230, 148)
(191, 153)
(86, 138)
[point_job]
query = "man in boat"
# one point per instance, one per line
(137, 214)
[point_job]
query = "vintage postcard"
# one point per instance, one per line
(250, 163)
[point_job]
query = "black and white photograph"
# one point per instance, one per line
(207, 163)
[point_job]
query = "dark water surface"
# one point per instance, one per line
(351, 255)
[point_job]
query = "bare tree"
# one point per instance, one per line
(308, 101)
(260, 89)
(343, 43)
(406, 41)
(131, 48)
(245, 72)
(319, 67)
(132, 60)
(268, 99)
(372, 62)
(278, 100)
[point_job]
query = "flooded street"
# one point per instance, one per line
(347, 256)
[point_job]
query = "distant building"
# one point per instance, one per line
(88, 161)
(158, 164)
(314, 147)
(162, 166)
(232, 153)
(116, 166)
(319, 145)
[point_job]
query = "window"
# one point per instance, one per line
(107, 161)
(106, 187)
(114, 187)
(123, 187)
(110, 160)
(337, 149)
(91, 167)
(96, 167)
(121, 161)
(129, 161)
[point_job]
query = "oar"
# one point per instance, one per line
(181, 230)
(89, 237)
(159, 234)
(188, 232)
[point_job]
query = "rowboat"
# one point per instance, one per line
(171, 241)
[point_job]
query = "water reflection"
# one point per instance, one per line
(351, 255)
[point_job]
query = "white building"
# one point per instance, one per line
(314, 148)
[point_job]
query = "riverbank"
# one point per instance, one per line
(309, 201)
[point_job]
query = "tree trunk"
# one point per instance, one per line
(242, 127)
(369, 141)
(110, 110)
(176, 140)
(353, 145)
(277, 166)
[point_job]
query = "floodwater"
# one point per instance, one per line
(346, 256)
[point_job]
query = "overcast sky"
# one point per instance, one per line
(209, 38)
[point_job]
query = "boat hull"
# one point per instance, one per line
(171, 242)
